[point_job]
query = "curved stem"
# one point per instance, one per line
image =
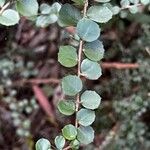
(79, 63)
(68, 147)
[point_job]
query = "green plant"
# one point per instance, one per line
(88, 31)
(131, 128)
(7, 69)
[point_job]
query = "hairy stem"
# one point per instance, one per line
(79, 63)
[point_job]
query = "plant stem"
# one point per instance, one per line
(68, 147)
(79, 63)
(85, 8)
(4, 7)
(35, 81)
(130, 6)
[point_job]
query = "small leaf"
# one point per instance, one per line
(101, 14)
(85, 135)
(90, 99)
(145, 2)
(88, 30)
(71, 85)
(134, 9)
(79, 2)
(102, 1)
(28, 8)
(45, 8)
(44, 21)
(66, 107)
(60, 142)
(69, 15)
(55, 8)
(2, 2)
(134, 1)
(67, 56)
(124, 3)
(115, 10)
(9, 17)
(94, 50)
(49, 14)
(85, 117)
(75, 144)
(90, 69)
(69, 132)
(43, 144)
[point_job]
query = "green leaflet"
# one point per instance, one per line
(9, 17)
(2, 2)
(102, 1)
(66, 107)
(69, 132)
(44, 21)
(27, 8)
(60, 142)
(85, 134)
(90, 69)
(90, 99)
(71, 85)
(75, 144)
(69, 15)
(49, 14)
(67, 56)
(124, 3)
(145, 2)
(88, 30)
(94, 50)
(43, 144)
(101, 14)
(79, 2)
(85, 117)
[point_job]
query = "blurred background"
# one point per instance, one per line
(30, 83)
